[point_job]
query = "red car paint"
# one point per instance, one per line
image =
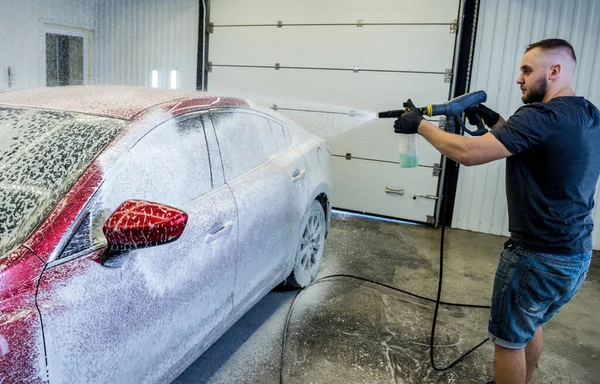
(21, 347)
(187, 105)
(22, 351)
(125, 102)
(19, 321)
(48, 235)
(46, 238)
(137, 223)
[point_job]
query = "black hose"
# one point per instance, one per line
(439, 293)
(437, 302)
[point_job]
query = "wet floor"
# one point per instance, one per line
(346, 330)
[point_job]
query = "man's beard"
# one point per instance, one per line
(536, 92)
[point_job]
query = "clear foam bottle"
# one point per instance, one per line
(407, 147)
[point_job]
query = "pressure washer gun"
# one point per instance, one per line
(452, 109)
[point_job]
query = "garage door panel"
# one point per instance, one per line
(330, 11)
(370, 47)
(370, 91)
(349, 59)
(361, 184)
(371, 140)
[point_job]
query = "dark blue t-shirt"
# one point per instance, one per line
(551, 177)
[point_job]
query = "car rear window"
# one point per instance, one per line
(42, 154)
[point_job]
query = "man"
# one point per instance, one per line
(552, 146)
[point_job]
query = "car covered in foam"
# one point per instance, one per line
(138, 224)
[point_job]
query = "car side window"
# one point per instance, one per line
(280, 134)
(246, 140)
(169, 166)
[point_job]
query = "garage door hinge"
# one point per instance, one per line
(453, 25)
(279, 24)
(277, 66)
(430, 220)
(394, 191)
(448, 76)
(437, 169)
(359, 23)
(210, 28)
(348, 156)
(431, 197)
(209, 66)
(274, 107)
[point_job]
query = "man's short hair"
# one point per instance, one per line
(553, 44)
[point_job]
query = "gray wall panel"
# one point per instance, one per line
(505, 29)
(135, 37)
(22, 28)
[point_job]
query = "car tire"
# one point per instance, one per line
(309, 251)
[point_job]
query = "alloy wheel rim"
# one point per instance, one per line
(311, 243)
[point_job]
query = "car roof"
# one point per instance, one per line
(123, 102)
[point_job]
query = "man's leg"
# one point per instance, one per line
(533, 351)
(509, 365)
(516, 366)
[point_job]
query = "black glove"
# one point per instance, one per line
(409, 122)
(490, 118)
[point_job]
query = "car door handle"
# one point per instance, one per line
(298, 175)
(218, 231)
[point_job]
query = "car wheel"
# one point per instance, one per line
(310, 247)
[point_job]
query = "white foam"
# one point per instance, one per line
(324, 120)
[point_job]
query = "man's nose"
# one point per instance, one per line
(520, 79)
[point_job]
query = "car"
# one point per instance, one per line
(138, 224)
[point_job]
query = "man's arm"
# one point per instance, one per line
(466, 151)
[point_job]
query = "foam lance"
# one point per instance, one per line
(452, 109)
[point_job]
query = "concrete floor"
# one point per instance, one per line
(344, 330)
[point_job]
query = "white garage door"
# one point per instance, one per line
(328, 65)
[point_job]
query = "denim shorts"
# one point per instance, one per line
(529, 289)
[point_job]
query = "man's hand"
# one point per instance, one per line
(490, 118)
(409, 122)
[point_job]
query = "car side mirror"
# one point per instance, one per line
(139, 224)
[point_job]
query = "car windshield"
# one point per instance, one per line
(42, 154)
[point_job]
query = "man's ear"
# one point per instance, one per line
(555, 71)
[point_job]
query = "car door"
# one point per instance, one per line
(267, 178)
(149, 312)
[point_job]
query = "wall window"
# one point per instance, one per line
(64, 60)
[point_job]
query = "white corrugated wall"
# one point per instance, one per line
(23, 43)
(135, 37)
(505, 29)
